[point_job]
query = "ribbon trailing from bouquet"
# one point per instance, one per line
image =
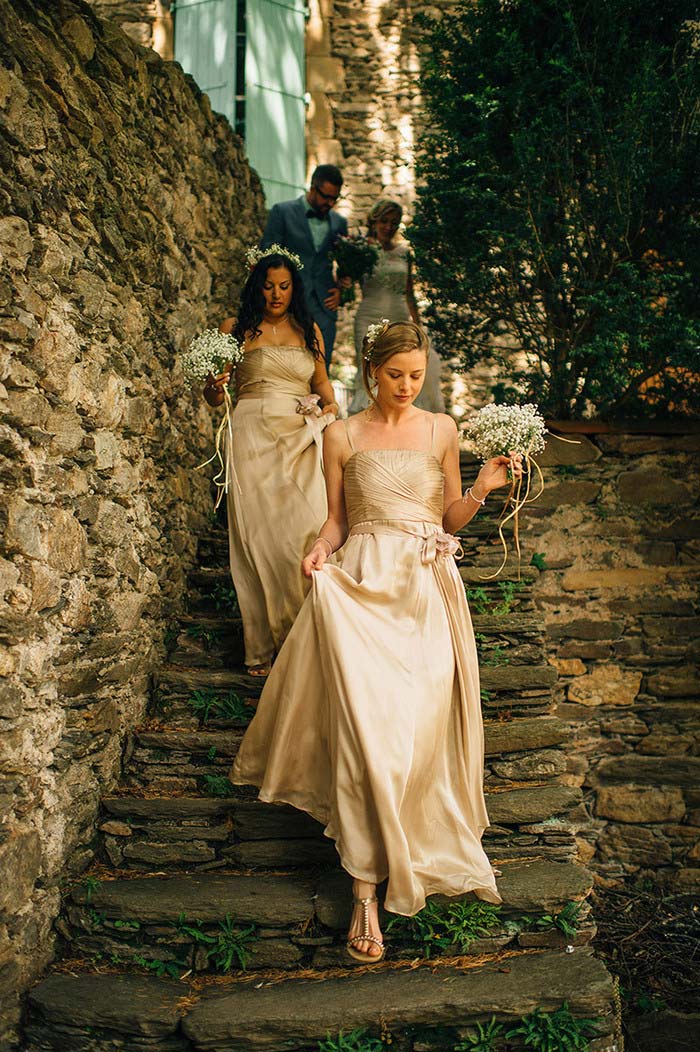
(223, 445)
(516, 501)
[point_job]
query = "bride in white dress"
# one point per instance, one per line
(388, 293)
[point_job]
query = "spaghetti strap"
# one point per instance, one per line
(347, 435)
(432, 433)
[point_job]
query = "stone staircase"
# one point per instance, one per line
(214, 922)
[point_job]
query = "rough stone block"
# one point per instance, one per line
(630, 803)
(576, 449)
(649, 486)
(606, 685)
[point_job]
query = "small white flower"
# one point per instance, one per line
(373, 331)
(255, 254)
(208, 353)
(496, 430)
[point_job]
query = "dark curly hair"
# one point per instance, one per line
(252, 306)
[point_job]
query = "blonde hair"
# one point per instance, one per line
(392, 338)
(381, 208)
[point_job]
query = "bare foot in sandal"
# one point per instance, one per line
(365, 941)
(259, 670)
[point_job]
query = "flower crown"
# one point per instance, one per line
(255, 254)
(372, 335)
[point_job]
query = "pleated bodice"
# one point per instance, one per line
(393, 485)
(283, 369)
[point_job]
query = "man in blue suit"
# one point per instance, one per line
(309, 226)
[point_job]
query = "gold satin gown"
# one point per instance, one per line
(371, 717)
(276, 497)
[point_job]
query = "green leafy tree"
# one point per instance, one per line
(558, 209)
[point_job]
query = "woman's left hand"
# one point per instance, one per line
(495, 472)
(332, 408)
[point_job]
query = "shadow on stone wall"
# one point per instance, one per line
(126, 205)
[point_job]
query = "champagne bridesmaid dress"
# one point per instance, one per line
(371, 717)
(276, 497)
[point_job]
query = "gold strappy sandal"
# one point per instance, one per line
(365, 936)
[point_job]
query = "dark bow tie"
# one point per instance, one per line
(311, 213)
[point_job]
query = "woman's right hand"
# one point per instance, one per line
(316, 558)
(214, 387)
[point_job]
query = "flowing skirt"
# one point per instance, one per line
(371, 719)
(276, 505)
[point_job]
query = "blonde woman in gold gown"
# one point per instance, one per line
(276, 497)
(377, 684)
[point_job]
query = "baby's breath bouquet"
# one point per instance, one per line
(499, 430)
(211, 352)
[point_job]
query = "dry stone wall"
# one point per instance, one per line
(125, 205)
(619, 530)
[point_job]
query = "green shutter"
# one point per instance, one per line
(205, 46)
(275, 89)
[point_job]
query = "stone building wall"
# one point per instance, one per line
(148, 22)
(125, 206)
(619, 529)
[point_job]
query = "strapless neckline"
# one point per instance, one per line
(421, 452)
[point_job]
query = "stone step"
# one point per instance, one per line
(297, 920)
(511, 689)
(518, 750)
(198, 833)
(211, 640)
(424, 1008)
(210, 590)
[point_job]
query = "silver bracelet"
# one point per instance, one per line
(468, 493)
(330, 546)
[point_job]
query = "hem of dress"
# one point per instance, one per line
(481, 890)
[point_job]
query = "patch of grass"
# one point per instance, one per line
(217, 785)
(557, 1031)
(439, 927)
(539, 560)
(356, 1041)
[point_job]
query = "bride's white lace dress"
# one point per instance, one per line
(384, 296)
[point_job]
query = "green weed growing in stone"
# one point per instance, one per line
(508, 590)
(127, 925)
(217, 785)
(439, 927)
(356, 1041)
(91, 884)
(224, 598)
(539, 560)
(229, 706)
(170, 636)
(494, 656)
(567, 470)
(478, 599)
(483, 1040)
(485, 696)
(557, 1031)
(567, 920)
(231, 944)
(206, 636)
(173, 969)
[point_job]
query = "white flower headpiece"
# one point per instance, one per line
(372, 334)
(255, 254)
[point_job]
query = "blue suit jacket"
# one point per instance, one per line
(288, 226)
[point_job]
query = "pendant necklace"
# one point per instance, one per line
(273, 325)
